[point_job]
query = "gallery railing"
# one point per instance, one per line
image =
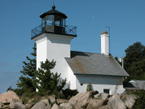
(65, 30)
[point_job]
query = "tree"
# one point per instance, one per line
(134, 61)
(26, 81)
(48, 80)
(89, 87)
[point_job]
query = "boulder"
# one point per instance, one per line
(52, 98)
(130, 100)
(46, 101)
(39, 105)
(116, 103)
(81, 100)
(66, 106)
(101, 96)
(1, 105)
(29, 105)
(14, 101)
(105, 107)
(95, 103)
(55, 106)
(19, 105)
(8, 96)
(59, 101)
(48, 107)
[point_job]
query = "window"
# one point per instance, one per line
(106, 91)
(50, 19)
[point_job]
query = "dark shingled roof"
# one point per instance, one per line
(53, 12)
(95, 64)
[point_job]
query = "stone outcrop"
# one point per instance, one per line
(85, 100)
(39, 105)
(81, 100)
(8, 96)
(116, 103)
(66, 106)
(55, 106)
(95, 103)
(19, 105)
(59, 101)
(102, 96)
(14, 101)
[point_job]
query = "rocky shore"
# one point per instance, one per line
(85, 100)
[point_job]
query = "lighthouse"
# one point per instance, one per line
(53, 38)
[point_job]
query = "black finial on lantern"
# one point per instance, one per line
(53, 7)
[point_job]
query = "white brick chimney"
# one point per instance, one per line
(105, 43)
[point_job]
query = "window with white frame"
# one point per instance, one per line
(107, 91)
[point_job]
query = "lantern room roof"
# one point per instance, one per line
(53, 12)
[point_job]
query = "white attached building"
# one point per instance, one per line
(53, 39)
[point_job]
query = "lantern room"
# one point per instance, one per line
(53, 18)
(54, 22)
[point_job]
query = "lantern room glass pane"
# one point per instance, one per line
(50, 20)
(43, 22)
(58, 21)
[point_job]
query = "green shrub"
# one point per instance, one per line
(140, 102)
(68, 93)
(89, 87)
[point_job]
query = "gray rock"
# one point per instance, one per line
(19, 105)
(29, 105)
(39, 105)
(101, 96)
(1, 104)
(8, 96)
(46, 101)
(130, 100)
(81, 100)
(116, 103)
(95, 103)
(105, 107)
(52, 98)
(59, 101)
(48, 107)
(66, 106)
(14, 101)
(55, 106)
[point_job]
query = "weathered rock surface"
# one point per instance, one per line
(52, 98)
(116, 103)
(95, 103)
(46, 101)
(105, 107)
(85, 100)
(59, 101)
(130, 100)
(55, 106)
(1, 105)
(101, 96)
(8, 96)
(39, 105)
(29, 105)
(81, 100)
(19, 105)
(14, 101)
(48, 107)
(66, 106)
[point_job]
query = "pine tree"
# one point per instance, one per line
(134, 61)
(26, 81)
(48, 80)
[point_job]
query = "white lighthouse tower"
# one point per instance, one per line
(53, 39)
